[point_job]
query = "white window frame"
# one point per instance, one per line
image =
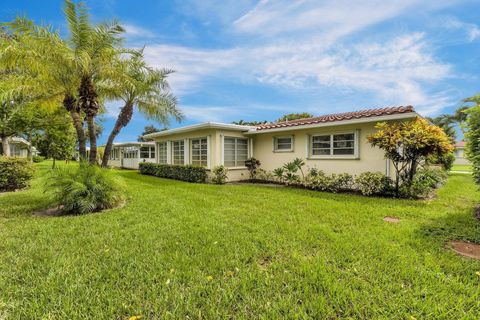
(173, 151)
(223, 151)
(208, 150)
(162, 156)
(275, 143)
(355, 155)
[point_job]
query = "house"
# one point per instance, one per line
(459, 153)
(130, 154)
(334, 143)
(18, 147)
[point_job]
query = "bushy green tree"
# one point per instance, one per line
(473, 136)
(295, 116)
(409, 143)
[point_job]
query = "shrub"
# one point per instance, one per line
(219, 175)
(252, 165)
(15, 173)
(187, 173)
(85, 188)
(38, 159)
(423, 183)
(318, 180)
(373, 183)
(264, 175)
(279, 174)
(445, 161)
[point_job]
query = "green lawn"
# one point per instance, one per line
(180, 250)
(462, 167)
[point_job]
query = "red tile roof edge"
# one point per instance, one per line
(368, 113)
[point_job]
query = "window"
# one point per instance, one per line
(199, 152)
(130, 153)
(145, 152)
(235, 151)
(342, 144)
(162, 152)
(114, 154)
(283, 144)
(15, 151)
(178, 152)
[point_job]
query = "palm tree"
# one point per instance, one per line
(94, 48)
(47, 65)
(143, 88)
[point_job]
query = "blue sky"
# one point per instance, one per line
(257, 60)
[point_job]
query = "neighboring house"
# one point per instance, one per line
(460, 157)
(130, 154)
(18, 147)
(335, 143)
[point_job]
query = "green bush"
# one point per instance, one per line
(219, 175)
(85, 188)
(187, 173)
(318, 180)
(373, 183)
(445, 161)
(38, 159)
(423, 183)
(15, 173)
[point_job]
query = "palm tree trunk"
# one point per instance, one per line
(123, 119)
(89, 104)
(71, 106)
(93, 140)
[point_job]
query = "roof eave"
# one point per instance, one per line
(200, 126)
(398, 116)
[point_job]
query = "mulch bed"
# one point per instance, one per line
(466, 249)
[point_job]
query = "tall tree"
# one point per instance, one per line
(249, 123)
(48, 66)
(145, 89)
(447, 123)
(147, 130)
(472, 134)
(295, 116)
(95, 49)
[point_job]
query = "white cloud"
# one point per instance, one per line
(300, 45)
(133, 31)
(328, 19)
(471, 30)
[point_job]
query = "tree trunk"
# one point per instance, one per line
(29, 148)
(89, 104)
(5, 146)
(123, 119)
(71, 106)
(93, 140)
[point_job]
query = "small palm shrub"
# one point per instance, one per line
(219, 175)
(15, 173)
(85, 188)
(279, 174)
(373, 183)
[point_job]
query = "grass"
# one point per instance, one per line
(462, 167)
(180, 250)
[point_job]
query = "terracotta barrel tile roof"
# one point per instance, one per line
(339, 117)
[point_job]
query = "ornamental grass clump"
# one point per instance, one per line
(85, 188)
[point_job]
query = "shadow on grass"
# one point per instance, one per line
(454, 225)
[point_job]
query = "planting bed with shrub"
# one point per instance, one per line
(187, 173)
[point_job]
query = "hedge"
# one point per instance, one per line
(15, 173)
(187, 173)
